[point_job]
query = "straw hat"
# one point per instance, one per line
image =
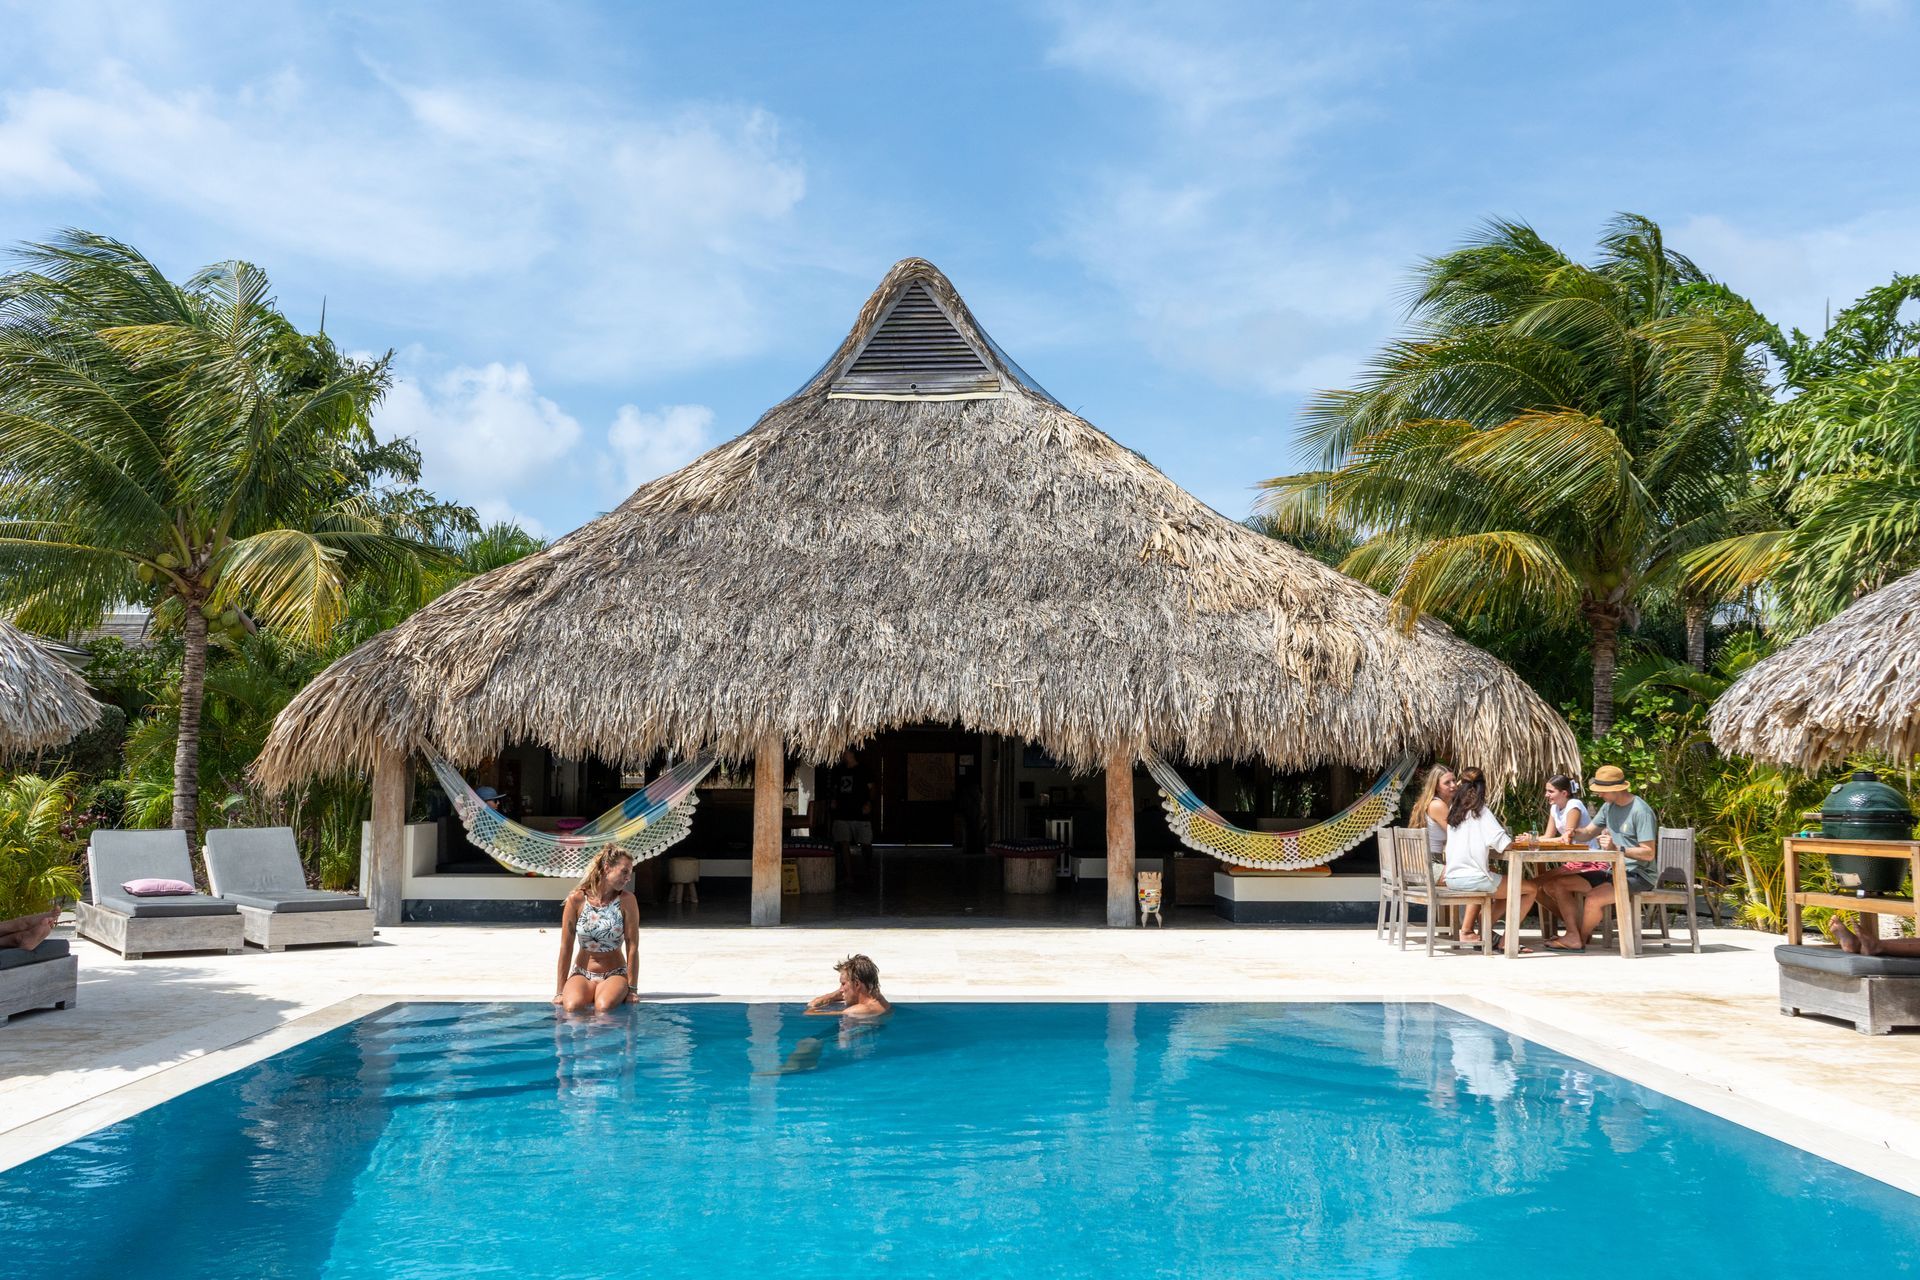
(1610, 778)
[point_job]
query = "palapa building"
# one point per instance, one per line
(1852, 684)
(920, 536)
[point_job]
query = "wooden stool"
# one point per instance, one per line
(684, 875)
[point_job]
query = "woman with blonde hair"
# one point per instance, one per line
(1430, 807)
(601, 919)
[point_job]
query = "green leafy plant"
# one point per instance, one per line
(1545, 443)
(38, 854)
(185, 446)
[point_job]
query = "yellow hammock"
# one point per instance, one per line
(1203, 830)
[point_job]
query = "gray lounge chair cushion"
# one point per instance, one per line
(1834, 960)
(173, 904)
(260, 867)
(286, 900)
(18, 957)
(115, 857)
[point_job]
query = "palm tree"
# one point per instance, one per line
(1835, 510)
(1546, 442)
(184, 445)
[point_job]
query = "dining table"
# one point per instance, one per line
(1518, 856)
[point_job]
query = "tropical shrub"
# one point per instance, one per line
(39, 854)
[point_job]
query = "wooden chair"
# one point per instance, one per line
(1675, 884)
(1393, 898)
(1417, 878)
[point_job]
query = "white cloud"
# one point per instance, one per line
(627, 242)
(487, 437)
(490, 439)
(1795, 276)
(1228, 261)
(493, 511)
(1215, 72)
(647, 445)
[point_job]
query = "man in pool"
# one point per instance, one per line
(858, 995)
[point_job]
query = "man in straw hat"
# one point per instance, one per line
(1624, 822)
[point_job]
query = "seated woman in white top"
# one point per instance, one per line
(1473, 834)
(1563, 886)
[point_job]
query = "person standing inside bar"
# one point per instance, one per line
(854, 797)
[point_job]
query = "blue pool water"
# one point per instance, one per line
(1034, 1140)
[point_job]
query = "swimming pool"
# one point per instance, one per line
(1116, 1141)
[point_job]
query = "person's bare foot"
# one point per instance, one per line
(42, 930)
(28, 932)
(1843, 937)
(1869, 942)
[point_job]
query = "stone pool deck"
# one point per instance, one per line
(1705, 1027)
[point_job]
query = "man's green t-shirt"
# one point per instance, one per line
(1631, 824)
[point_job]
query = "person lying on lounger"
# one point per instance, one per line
(1870, 943)
(28, 932)
(858, 995)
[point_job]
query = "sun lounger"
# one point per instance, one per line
(45, 977)
(137, 926)
(258, 870)
(1874, 993)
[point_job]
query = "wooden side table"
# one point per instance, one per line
(1794, 846)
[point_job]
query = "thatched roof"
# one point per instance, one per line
(919, 534)
(43, 701)
(1851, 684)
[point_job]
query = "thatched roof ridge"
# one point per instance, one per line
(851, 565)
(43, 701)
(1851, 684)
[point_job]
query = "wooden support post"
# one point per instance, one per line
(385, 883)
(769, 781)
(1121, 899)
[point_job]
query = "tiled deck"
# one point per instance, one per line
(1704, 1027)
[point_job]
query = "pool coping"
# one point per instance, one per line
(36, 1137)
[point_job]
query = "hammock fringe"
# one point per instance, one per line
(1203, 830)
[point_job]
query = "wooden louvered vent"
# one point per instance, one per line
(916, 351)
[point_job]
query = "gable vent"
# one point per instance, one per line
(916, 351)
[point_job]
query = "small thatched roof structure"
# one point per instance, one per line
(1851, 684)
(920, 534)
(43, 701)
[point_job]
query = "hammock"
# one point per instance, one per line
(1202, 829)
(645, 823)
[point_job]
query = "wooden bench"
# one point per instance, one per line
(1875, 993)
(44, 978)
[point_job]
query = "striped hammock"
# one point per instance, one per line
(1202, 829)
(644, 824)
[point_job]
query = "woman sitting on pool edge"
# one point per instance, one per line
(603, 917)
(858, 995)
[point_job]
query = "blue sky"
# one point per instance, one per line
(602, 238)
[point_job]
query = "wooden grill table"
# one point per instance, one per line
(1517, 856)
(1794, 846)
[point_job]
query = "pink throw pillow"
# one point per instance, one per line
(154, 887)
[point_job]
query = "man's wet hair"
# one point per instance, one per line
(861, 970)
